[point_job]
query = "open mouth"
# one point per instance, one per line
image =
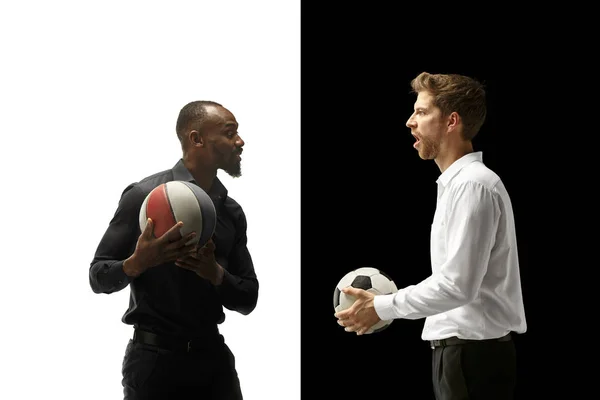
(418, 140)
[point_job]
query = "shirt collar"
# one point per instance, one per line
(457, 165)
(180, 173)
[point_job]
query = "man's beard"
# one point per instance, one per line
(429, 148)
(235, 170)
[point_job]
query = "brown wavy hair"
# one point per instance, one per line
(455, 93)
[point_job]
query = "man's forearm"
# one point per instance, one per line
(108, 276)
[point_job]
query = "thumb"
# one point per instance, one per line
(149, 228)
(208, 248)
(351, 290)
(210, 245)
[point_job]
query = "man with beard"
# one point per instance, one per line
(178, 292)
(472, 301)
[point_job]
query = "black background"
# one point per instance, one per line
(368, 199)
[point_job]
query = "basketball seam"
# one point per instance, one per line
(203, 212)
(169, 203)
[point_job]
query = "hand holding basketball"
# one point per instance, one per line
(150, 251)
(203, 263)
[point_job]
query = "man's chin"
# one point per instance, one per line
(235, 171)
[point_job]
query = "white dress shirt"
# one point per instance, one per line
(474, 291)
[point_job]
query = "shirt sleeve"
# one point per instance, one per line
(106, 273)
(470, 226)
(239, 288)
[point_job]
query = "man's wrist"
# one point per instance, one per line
(218, 279)
(131, 267)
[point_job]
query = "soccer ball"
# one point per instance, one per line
(372, 280)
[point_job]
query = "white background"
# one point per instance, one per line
(89, 96)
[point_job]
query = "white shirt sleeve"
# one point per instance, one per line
(469, 228)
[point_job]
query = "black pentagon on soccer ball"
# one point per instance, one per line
(362, 282)
(336, 297)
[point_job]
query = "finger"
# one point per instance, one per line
(181, 247)
(190, 255)
(342, 314)
(184, 266)
(204, 253)
(352, 291)
(201, 259)
(182, 243)
(208, 248)
(188, 251)
(172, 252)
(210, 245)
(173, 234)
(184, 263)
(148, 229)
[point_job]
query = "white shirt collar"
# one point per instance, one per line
(457, 165)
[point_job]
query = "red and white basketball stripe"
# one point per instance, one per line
(180, 201)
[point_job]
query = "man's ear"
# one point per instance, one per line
(196, 138)
(453, 121)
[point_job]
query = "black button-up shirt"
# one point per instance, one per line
(168, 299)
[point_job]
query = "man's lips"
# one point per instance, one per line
(418, 140)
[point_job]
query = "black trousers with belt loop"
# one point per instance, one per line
(474, 369)
(161, 368)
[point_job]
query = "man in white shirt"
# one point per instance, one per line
(472, 301)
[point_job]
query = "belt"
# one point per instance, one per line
(171, 343)
(453, 341)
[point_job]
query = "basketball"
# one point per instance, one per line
(372, 280)
(176, 201)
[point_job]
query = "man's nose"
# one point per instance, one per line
(240, 142)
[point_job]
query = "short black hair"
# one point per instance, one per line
(191, 115)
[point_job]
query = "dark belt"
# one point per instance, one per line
(173, 343)
(453, 341)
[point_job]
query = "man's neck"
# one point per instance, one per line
(453, 154)
(204, 177)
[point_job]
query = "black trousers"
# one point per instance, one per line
(152, 373)
(475, 371)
